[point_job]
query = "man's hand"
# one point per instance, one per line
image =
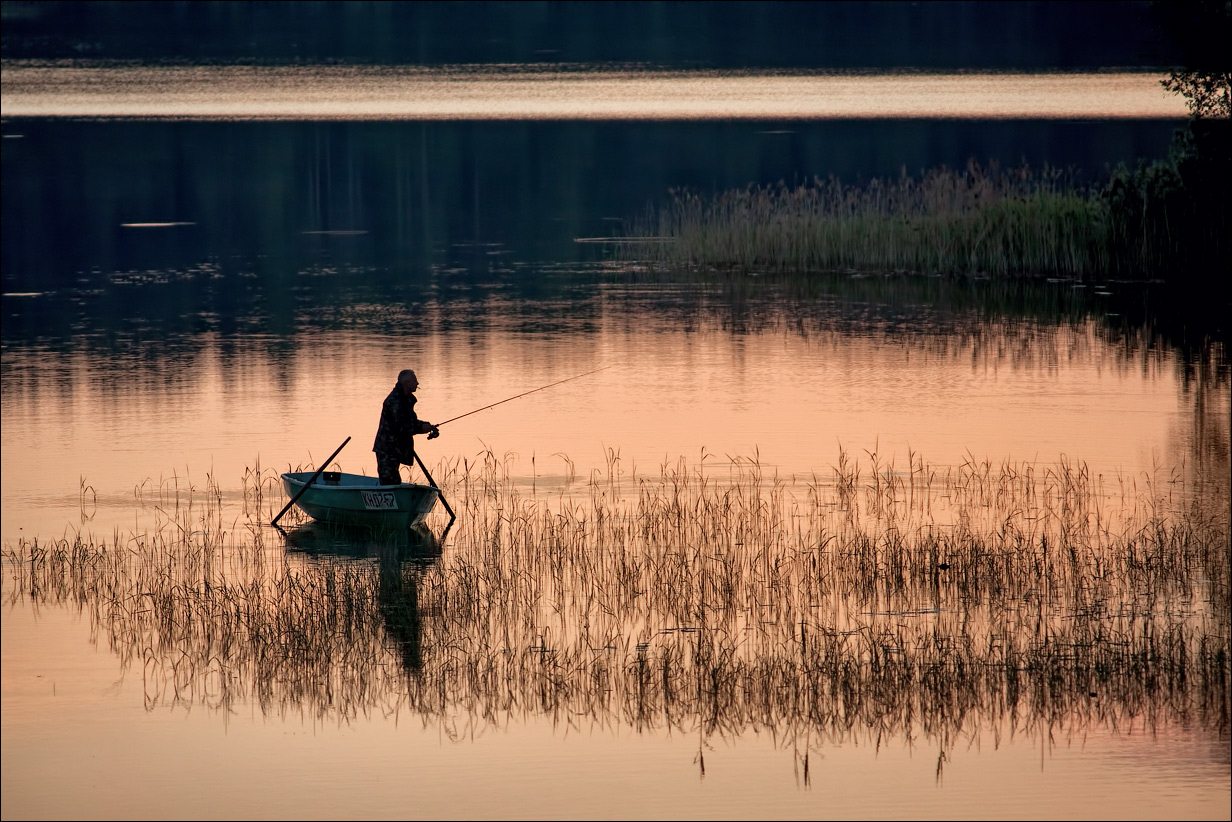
(434, 433)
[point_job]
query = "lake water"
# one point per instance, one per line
(36, 89)
(213, 271)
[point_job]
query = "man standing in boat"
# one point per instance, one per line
(395, 445)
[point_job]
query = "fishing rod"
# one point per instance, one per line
(523, 394)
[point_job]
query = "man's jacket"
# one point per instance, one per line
(398, 426)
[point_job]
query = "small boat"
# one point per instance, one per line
(354, 499)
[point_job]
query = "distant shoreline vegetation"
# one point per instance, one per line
(1164, 219)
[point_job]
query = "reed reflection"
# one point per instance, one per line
(908, 344)
(401, 557)
(883, 602)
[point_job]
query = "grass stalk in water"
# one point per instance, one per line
(976, 221)
(874, 600)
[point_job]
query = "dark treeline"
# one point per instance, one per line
(423, 190)
(930, 35)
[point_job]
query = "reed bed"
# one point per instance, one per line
(875, 602)
(978, 220)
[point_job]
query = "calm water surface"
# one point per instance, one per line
(186, 303)
(537, 93)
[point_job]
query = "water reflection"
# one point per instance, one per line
(471, 198)
(888, 603)
(402, 557)
(197, 294)
(789, 366)
(39, 89)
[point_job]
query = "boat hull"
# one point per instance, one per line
(353, 499)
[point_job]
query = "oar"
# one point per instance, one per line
(432, 482)
(311, 481)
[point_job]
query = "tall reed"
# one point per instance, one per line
(873, 601)
(980, 220)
